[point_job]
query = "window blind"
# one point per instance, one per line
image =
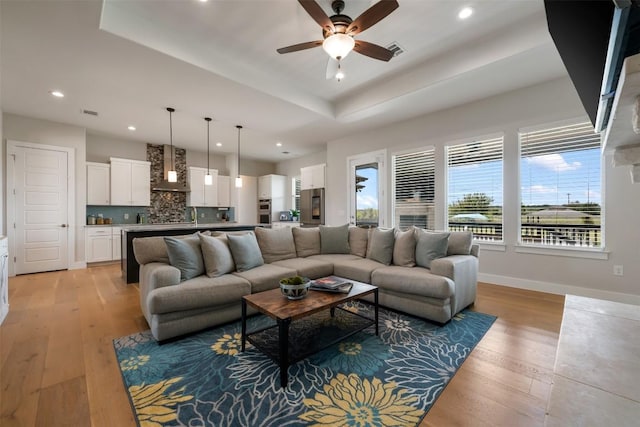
(560, 178)
(474, 187)
(414, 179)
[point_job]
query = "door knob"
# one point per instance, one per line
(63, 225)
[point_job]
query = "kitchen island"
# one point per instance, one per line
(129, 265)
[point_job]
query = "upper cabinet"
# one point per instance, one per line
(98, 184)
(312, 177)
(224, 193)
(271, 186)
(201, 194)
(130, 182)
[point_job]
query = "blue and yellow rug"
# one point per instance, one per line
(387, 380)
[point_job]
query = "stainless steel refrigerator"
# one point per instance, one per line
(312, 207)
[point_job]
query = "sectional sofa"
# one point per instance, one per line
(193, 282)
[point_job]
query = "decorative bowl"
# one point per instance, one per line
(295, 287)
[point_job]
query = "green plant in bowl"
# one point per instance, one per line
(295, 287)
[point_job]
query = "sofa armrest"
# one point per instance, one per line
(463, 270)
(475, 250)
(155, 275)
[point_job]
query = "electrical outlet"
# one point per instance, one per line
(126, 216)
(618, 270)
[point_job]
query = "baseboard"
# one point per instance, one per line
(77, 265)
(558, 289)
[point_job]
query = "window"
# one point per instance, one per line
(414, 176)
(474, 188)
(295, 193)
(560, 178)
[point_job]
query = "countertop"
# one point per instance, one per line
(182, 225)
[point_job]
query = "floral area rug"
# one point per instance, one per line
(365, 380)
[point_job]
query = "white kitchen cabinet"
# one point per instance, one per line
(98, 244)
(98, 184)
(224, 195)
(271, 186)
(312, 177)
(116, 243)
(130, 182)
(201, 194)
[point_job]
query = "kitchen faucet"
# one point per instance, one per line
(194, 215)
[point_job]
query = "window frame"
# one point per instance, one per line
(600, 252)
(497, 244)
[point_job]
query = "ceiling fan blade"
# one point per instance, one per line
(373, 50)
(315, 11)
(332, 68)
(371, 16)
(300, 46)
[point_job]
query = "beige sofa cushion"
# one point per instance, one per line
(265, 277)
(380, 247)
(217, 255)
(307, 267)
(334, 240)
(276, 244)
(153, 249)
(359, 269)
(404, 248)
(307, 241)
(460, 243)
(412, 281)
(358, 238)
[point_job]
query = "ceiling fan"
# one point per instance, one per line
(338, 30)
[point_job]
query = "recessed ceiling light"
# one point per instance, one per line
(465, 12)
(56, 93)
(278, 144)
(218, 144)
(131, 128)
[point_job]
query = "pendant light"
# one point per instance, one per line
(238, 179)
(208, 179)
(172, 175)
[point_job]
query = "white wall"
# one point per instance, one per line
(100, 148)
(545, 103)
(26, 129)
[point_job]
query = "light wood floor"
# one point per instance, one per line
(59, 367)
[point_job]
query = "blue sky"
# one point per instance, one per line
(368, 197)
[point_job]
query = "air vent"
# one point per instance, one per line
(89, 112)
(395, 48)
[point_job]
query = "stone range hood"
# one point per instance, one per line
(164, 185)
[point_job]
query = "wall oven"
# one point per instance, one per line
(264, 211)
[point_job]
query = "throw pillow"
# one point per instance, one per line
(404, 249)
(307, 241)
(381, 245)
(334, 240)
(186, 256)
(217, 255)
(430, 246)
(358, 239)
(245, 251)
(275, 244)
(460, 243)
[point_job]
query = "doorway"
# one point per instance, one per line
(38, 181)
(367, 195)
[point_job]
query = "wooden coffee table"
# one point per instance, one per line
(294, 344)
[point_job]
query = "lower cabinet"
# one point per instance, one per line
(103, 244)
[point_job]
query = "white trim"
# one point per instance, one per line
(490, 246)
(78, 265)
(71, 196)
(380, 157)
(555, 124)
(558, 288)
(564, 251)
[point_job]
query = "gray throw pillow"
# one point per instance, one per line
(186, 256)
(217, 255)
(460, 243)
(245, 251)
(404, 249)
(334, 240)
(358, 239)
(430, 246)
(307, 241)
(380, 246)
(275, 244)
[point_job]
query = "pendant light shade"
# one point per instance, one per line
(238, 179)
(172, 175)
(208, 179)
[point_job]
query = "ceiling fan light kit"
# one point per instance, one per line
(339, 30)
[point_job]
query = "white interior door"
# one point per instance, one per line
(40, 191)
(367, 184)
